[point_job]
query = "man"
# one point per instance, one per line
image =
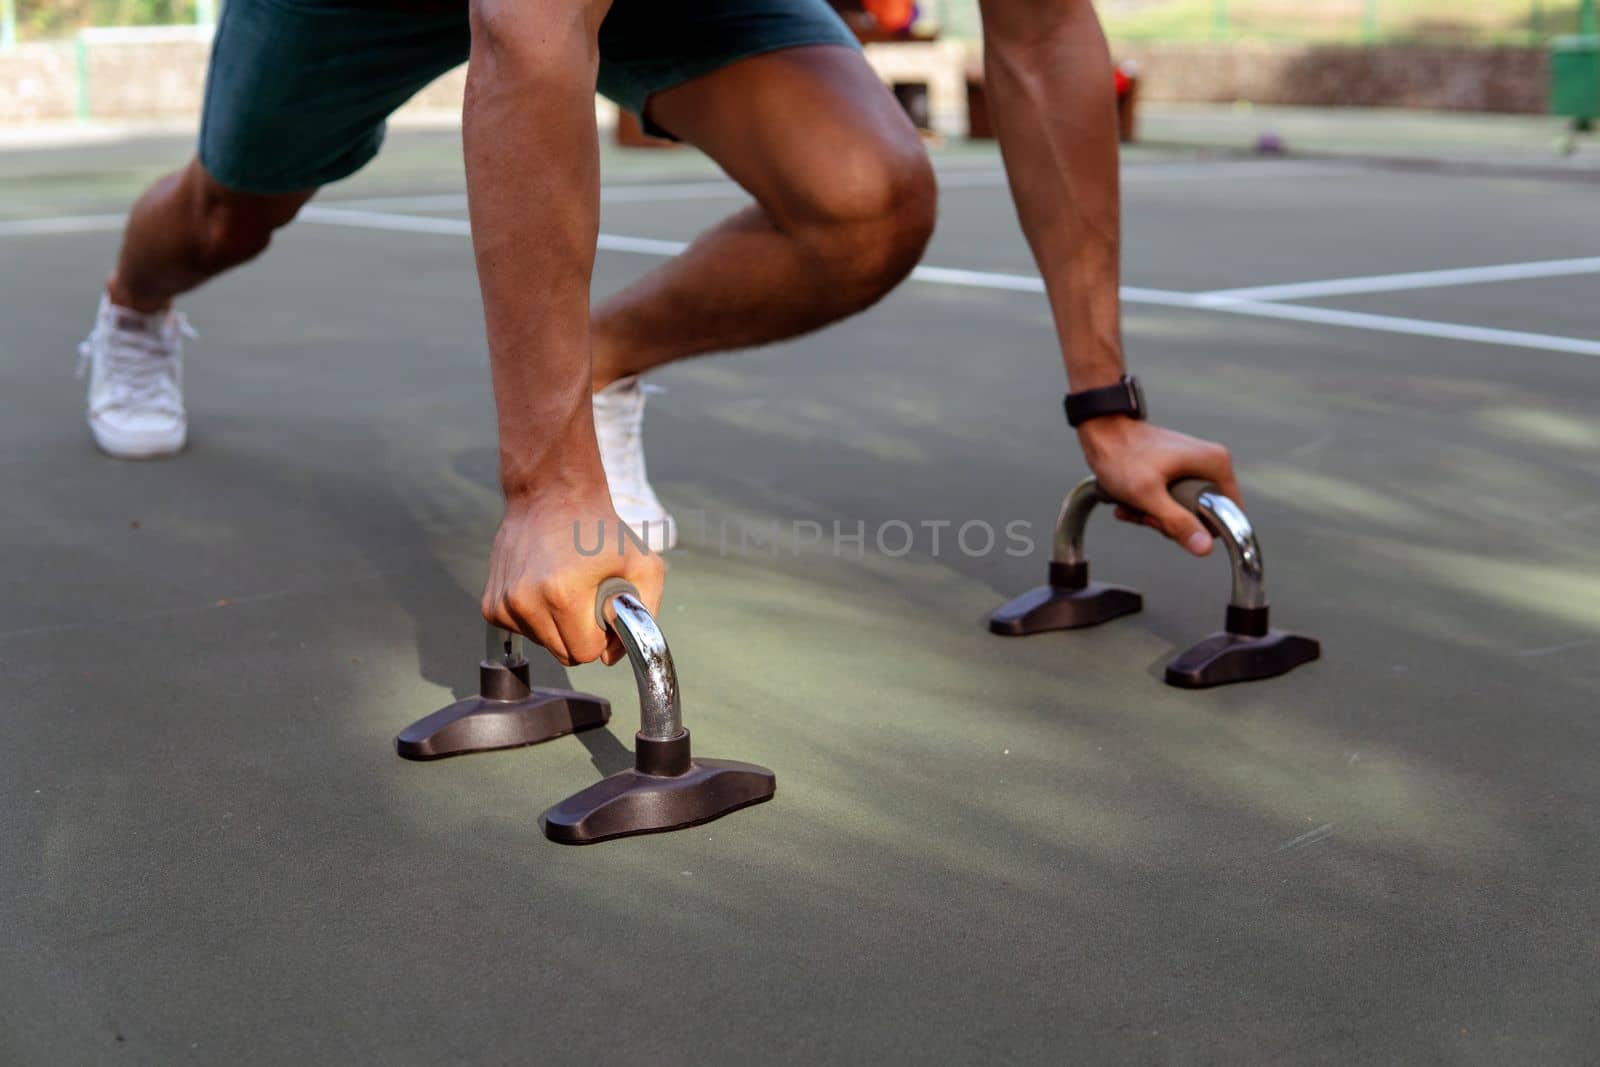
(774, 90)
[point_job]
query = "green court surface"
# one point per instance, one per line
(982, 849)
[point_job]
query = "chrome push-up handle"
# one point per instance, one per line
(666, 788)
(1245, 650)
(619, 609)
(1220, 515)
(1231, 526)
(1074, 521)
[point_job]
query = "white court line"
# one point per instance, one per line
(706, 190)
(380, 220)
(634, 194)
(1032, 283)
(1421, 279)
(435, 202)
(1024, 283)
(72, 224)
(949, 178)
(645, 246)
(1029, 283)
(1395, 324)
(609, 194)
(980, 279)
(611, 242)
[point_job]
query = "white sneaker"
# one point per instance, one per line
(135, 367)
(618, 420)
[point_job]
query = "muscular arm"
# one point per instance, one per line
(533, 187)
(1049, 80)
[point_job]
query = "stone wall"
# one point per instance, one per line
(37, 83)
(1507, 79)
(145, 80)
(136, 80)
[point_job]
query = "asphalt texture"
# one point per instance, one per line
(982, 849)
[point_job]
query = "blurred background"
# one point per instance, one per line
(1449, 21)
(1194, 72)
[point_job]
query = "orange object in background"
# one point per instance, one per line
(892, 16)
(1126, 79)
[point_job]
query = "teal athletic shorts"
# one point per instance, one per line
(299, 90)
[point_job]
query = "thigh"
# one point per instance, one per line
(801, 128)
(298, 90)
(650, 46)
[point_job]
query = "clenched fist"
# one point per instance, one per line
(1136, 461)
(542, 586)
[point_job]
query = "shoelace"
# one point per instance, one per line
(142, 372)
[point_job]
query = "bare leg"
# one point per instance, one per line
(844, 206)
(186, 230)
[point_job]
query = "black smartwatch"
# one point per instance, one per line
(1124, 398)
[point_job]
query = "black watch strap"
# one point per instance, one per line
(1124, 398)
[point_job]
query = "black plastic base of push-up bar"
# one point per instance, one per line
(1069, 602)
(666, 789)
(506, 713)
(1247, 651)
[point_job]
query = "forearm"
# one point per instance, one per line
(533, 188)
(1049, 81)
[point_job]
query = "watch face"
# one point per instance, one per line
(1136, 395)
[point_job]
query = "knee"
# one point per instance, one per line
(232, 228)
(870, 218)
(531, 45)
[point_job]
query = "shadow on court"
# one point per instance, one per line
(981, 848)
